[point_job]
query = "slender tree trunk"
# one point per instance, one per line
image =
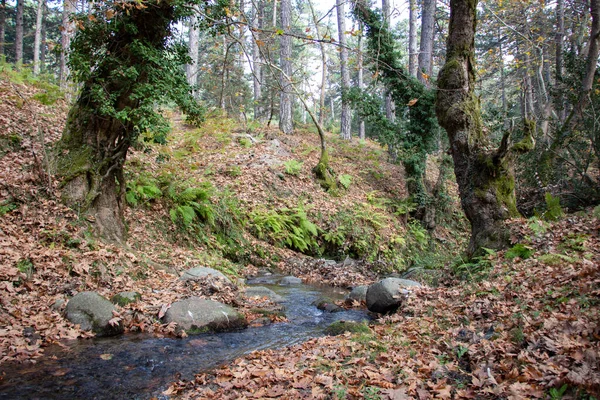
(2, 26)
(427, 36)
(44, 40)
(390, 107)
(346, 117)
(38, 36)
(286, 124)
(256, 62)
(412, 38)
(65, 41)
(194, 40)
(361, 123)
(560, 34)
(19, 33)
(485, 178)
(322, 88)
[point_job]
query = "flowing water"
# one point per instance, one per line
(140, 367)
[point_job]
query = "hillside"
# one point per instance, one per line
(48, 253)
(521, 323)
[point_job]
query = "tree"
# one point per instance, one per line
(286, 124)
(427, 36)
(2, 26)
(126, 62)
(361, 122)
(412, 38)
(257, 18)
(38, 36)
(192, 67)
(19, 33)
(390, 107)
(485, 178)
(65, 41)
(346, 118)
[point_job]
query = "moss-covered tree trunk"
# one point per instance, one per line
(90, 156)
(485, 178)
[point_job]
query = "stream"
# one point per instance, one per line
(138, 366)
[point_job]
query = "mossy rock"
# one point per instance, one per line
(124, 298)
(340, 327)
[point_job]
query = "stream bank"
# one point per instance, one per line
(141, 367)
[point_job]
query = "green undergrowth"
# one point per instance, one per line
(48, 92)
(376, 228)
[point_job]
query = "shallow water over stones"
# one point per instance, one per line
(140, 367)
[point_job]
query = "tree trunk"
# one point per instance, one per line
(390, 107)
(322, 88)
(286, 124)
(361, 122)
(38, 36)
(427, 33)
(485, 178)
(346, 117)
(90, 155)
(412, 38)
(2, 26)
(560, 33)
(65, 41)
(19, 33)
(192, 68)
(44, 40)
(256, 62)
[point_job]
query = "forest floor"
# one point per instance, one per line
(522, 323)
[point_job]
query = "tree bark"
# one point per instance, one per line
(427, 35)
(192, 68)
(256, 61)
(346, 117)
(560, 34)
(65, 41)
(19, 33)
(286, 124)
(485, 178)
(2, 26)
(90, 155)
(390, 107)
(38, 36)
(322, 88)
(412, 38)
(361, 123)
(44, 39)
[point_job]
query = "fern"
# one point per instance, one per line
(345, 180)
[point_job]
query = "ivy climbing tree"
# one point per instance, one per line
(414, 134)
(126, 60)
(485, 177)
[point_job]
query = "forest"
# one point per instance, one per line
(230, 199)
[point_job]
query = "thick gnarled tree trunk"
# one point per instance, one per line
(90, 155)
(485, 178)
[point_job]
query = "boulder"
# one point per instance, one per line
(124, 298)
(196, 315)
(289, 281)
(261, 291)
(387, 294)
(93, 312)
(200, 272)
(358, 293)
(327, 305)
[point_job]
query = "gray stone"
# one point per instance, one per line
(200, 272)
(196, 315)
(58, 304)
(358, 293)
(261, 291)
(327, 305)
(125, 298)
(92, 312)
(387, 294)
(290, 280)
